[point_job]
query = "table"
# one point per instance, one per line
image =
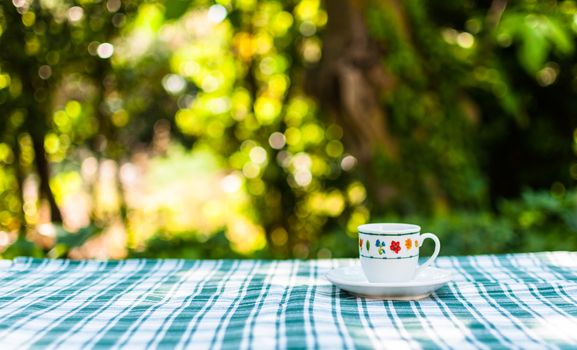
(495, 301)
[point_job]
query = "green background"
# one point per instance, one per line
(272, 129)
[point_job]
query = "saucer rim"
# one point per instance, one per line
(412, 283)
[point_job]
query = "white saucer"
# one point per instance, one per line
(353, 280)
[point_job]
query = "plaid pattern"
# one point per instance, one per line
(509, 301)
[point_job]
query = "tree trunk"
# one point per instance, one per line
(350, 79)
(35, 123)
(43, 170)
(19, 175)
(349, 82)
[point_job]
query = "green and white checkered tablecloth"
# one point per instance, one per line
(510, 301)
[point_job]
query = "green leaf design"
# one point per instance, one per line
(368, 245)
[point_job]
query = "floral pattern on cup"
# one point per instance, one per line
(395, 246)
(400, 247)
(381, 246)
(408, 243)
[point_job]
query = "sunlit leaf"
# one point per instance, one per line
(560, 36)
(533, 50)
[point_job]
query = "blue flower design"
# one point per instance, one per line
(381, 246)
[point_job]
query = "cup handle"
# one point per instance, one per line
(435, 253)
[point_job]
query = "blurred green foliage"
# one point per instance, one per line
(244, 128)
(535, 222)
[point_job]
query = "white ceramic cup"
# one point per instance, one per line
(390, 252)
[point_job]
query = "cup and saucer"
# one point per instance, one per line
(389, 270)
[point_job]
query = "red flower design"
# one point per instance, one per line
(395, 247)
(361, 243)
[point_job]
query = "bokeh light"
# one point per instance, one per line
(105, 50)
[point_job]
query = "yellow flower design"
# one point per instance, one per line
(408, 243)
(416, 243)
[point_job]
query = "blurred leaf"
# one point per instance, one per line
(76, 239)
(59, 251)
(187, 245)
(22, 247)
(533, 50)
(560, 36)
(174, 9)
(537, 34)
(65, 240)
